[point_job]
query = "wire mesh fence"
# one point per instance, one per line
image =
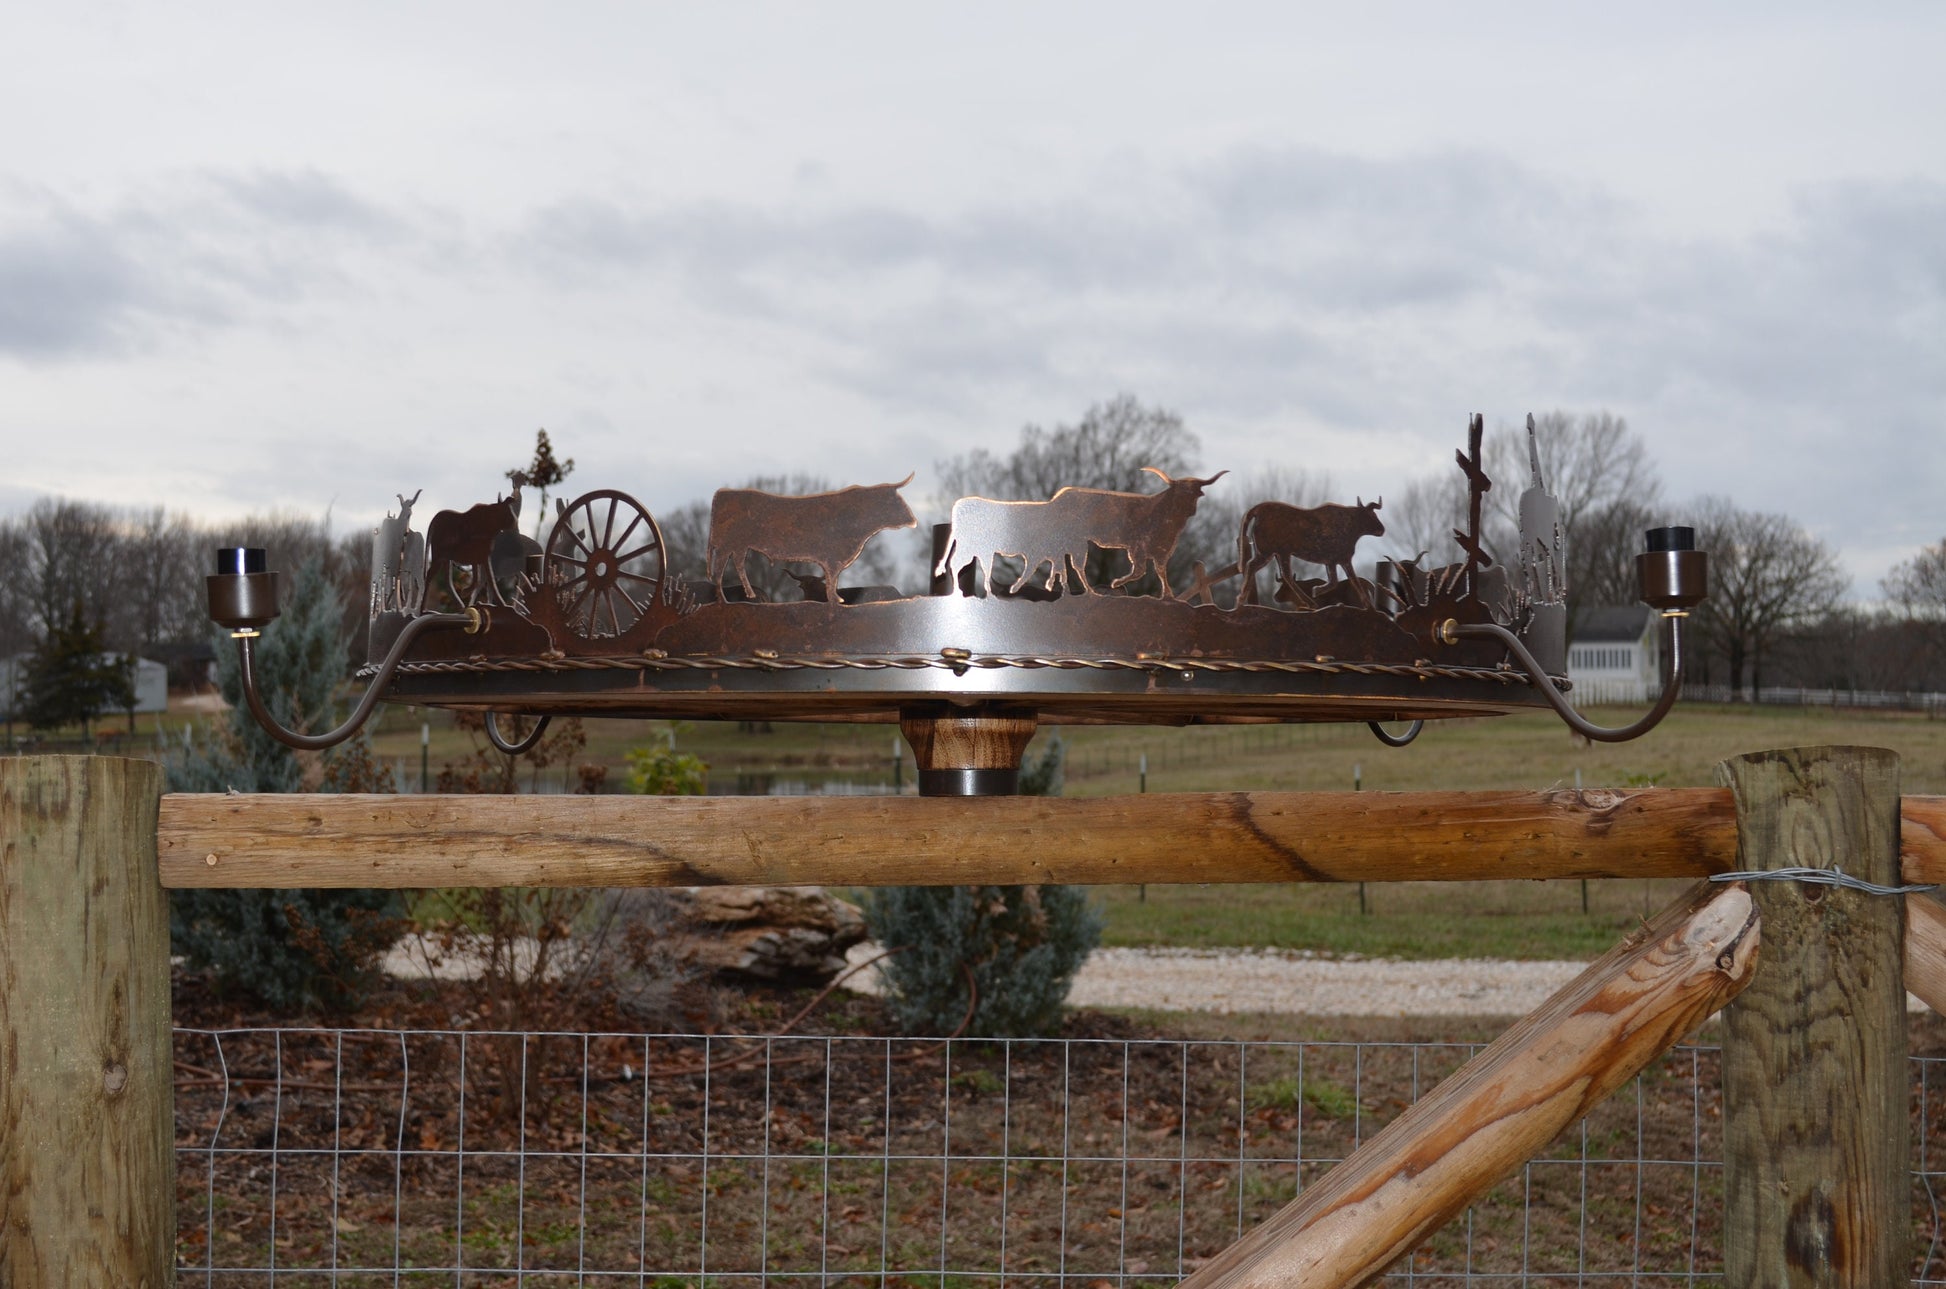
(360, 1157)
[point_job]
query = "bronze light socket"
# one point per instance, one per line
(243, 595)
(1672, 580)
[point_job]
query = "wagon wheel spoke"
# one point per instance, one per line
(608, 529)
(638, 552)
(573, 610)
(568, 527)
(633, 524)
(638, 577)
(633, 603)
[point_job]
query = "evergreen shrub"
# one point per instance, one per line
(297, 948)
(1022, 944)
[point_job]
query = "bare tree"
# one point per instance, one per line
(74, 550)
(1859, 648)
(19, 629)
(1607, 485)
(1602, 551)
(1107, 448)
(685, 537)
(1590, 461)
(1421, 520)
(1918, 585)
(162, 578)
(1598, 470)
(1768, 577)
(1916, 591)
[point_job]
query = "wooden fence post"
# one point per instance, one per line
(87, 1135)
(1816, 1137)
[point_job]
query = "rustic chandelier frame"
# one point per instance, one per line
(475, 615)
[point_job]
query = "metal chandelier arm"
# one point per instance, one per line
(473, 620)
(1671, 686)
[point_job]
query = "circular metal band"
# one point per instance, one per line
(969, 783)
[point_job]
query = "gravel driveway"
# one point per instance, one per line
(1214, 980)
(1257, 980)
(1262, 980)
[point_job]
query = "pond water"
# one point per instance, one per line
(798, 782)
(795, 781)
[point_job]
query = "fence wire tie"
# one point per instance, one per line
(1833, 876)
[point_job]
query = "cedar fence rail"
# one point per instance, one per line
(1814, 1052)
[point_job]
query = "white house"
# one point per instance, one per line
(1615, 656)
(151, 684)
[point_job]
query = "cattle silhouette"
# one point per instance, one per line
(828, 529)
(1058, 531)
(1275, 533)
(985, 531)
(458, 539)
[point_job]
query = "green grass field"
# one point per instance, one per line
(1527, 751)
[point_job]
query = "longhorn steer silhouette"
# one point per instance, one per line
(1145, 526)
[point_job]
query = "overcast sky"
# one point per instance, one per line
(256, 257)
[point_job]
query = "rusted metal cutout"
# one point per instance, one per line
(828, 529)
(591, 621)
(1057, 533)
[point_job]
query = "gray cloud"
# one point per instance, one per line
(1245, 278)
(1798, 368)
(195, 251)
(1366, 294)
(64, 287)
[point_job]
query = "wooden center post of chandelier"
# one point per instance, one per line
(967, 752)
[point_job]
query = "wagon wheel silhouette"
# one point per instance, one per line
(605, 563)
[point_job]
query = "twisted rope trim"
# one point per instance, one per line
(959, 664)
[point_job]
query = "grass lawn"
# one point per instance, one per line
(1402, 919)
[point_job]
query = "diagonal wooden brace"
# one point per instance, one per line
(1506, 1104)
